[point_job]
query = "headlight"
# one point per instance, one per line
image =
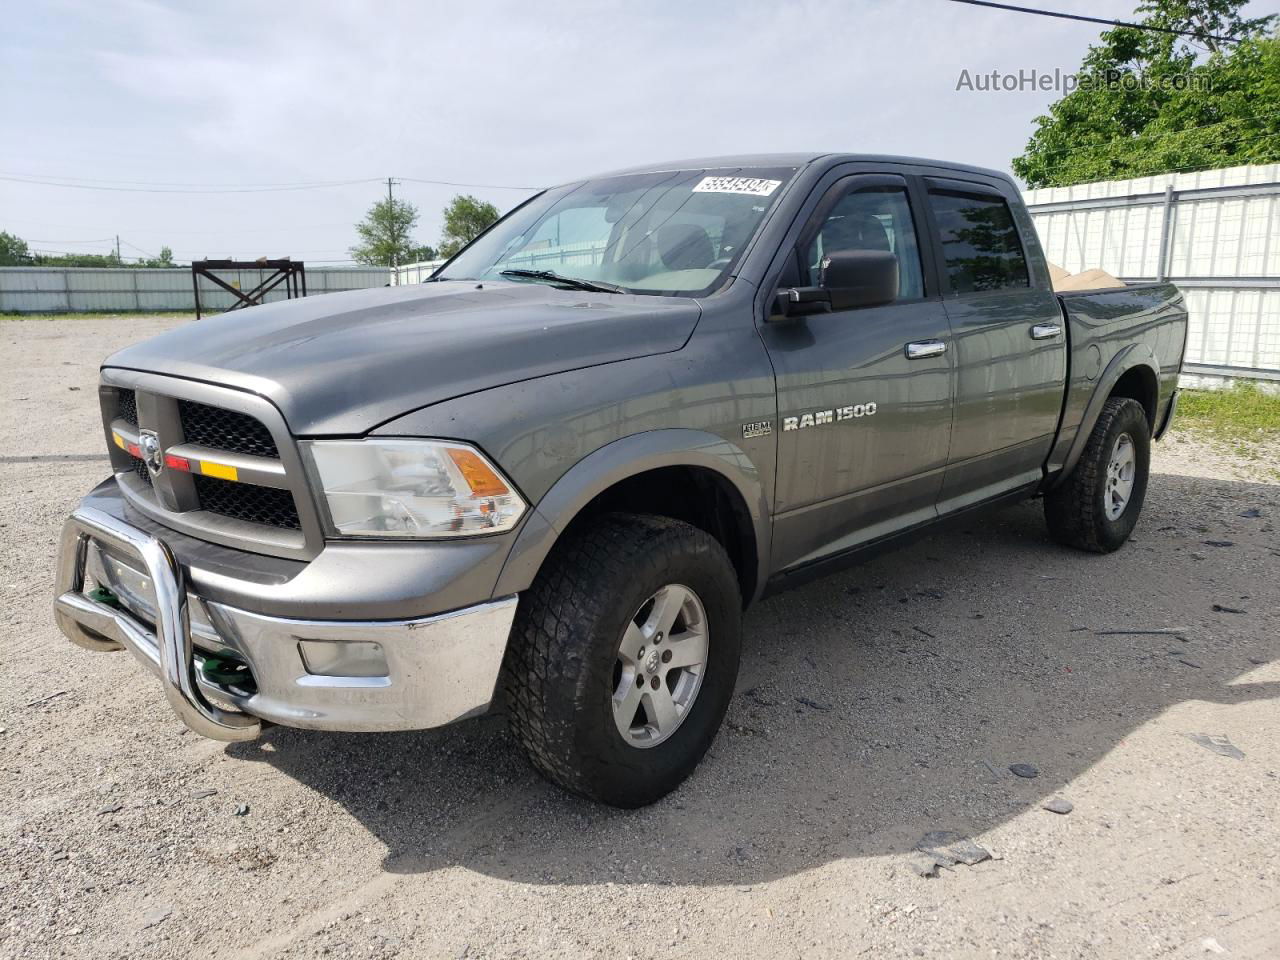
(412, 488)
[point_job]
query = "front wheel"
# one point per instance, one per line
(623, 658)
(1096, 506)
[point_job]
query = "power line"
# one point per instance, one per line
(99, 240)
(150, 256)
(80, 253)
(112, 240)
(152, 228)
(143, 186)
(90, 186)
(177, 257)
(1105, 22)
(176, 183)
(474, 186)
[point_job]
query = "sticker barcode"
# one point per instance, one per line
(753, 186)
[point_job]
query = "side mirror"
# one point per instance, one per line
(859, 278)
(847, 280)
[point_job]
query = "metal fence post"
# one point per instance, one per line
(1162, 261)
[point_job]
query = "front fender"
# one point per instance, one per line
(616, 461)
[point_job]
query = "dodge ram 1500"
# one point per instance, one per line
(550, 479)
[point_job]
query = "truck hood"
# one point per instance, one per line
(342, 363)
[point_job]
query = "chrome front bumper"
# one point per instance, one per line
(438, 669)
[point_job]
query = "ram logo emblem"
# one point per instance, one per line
(149, 445)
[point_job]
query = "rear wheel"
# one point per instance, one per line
(623, 657)
(1097, 505)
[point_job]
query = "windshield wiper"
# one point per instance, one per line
(577, 283)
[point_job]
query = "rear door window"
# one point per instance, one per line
(980, 243)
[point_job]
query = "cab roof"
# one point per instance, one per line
(793, 160)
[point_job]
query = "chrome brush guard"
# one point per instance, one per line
(168, 651)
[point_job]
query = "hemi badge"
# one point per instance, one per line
(218, 470)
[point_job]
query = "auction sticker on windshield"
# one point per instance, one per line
(750, 185)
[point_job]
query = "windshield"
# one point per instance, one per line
(676, 232)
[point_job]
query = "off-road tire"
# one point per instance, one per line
(558, 675)
(1075, 509)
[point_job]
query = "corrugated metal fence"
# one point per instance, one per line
(1216, 234)
(85, 289)
(416, 272)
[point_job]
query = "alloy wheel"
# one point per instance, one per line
(1121, 470)
(660, 666)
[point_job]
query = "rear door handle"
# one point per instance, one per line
(921, 349)
(1045, 331)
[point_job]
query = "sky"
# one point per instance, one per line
(152, 98)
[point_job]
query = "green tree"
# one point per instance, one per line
(1209, 18)
(384, 234)
(76, 260)
(13, 251)
(465, 218)
(164, 260)
(1152, 103)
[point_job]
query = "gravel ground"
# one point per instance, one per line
(874, 707)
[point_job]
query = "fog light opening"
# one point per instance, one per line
(227, 672)
(343, 658)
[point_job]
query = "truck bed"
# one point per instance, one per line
(1107, 329)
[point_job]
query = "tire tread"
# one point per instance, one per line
(1072, 508)
(546, 655)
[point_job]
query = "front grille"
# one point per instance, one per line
(127, 406)
(225, 430)
(224, 435)
(248, 502)
(140, 468)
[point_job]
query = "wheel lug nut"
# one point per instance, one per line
(658, 638)
(666, 656)
(653, 682)
(641, 653)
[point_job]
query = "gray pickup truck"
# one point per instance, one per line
(549, 480)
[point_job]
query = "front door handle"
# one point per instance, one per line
(1045, 331)
(925, 348)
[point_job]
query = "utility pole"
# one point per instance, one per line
(391, 212)
(118, 261)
